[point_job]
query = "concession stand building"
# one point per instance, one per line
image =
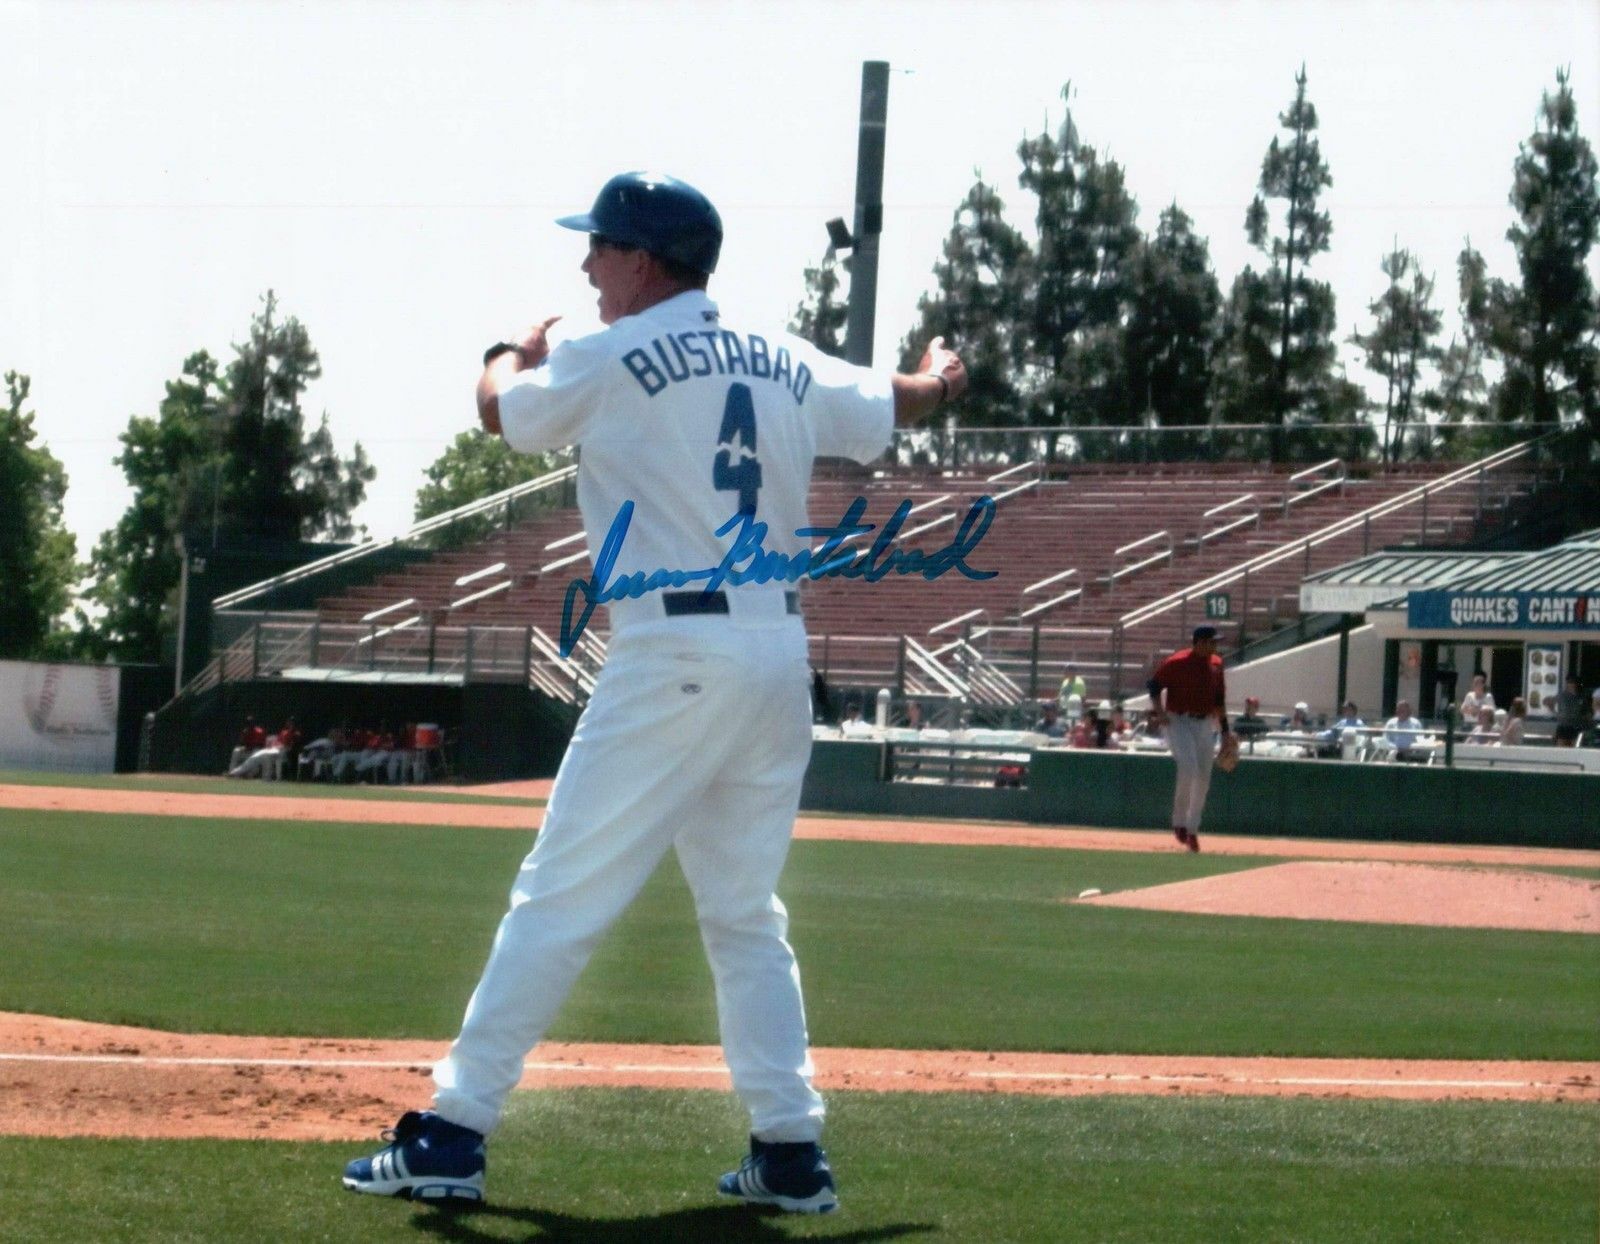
(1525, 620)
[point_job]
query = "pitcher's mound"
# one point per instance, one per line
(1483, 898)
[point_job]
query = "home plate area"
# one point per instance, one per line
(1378, 893)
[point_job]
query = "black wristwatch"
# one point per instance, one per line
(499, 348)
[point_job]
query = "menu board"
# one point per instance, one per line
(1541, 681)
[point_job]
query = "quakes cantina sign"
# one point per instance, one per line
(1503, 611)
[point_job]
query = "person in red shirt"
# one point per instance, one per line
(1192, 715)
(251, 740)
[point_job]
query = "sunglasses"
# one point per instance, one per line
(599, 241)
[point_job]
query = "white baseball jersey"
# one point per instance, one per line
(693, 421)
(698, 733)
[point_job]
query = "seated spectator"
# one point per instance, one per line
(356, 744)
(1400, 731)
(1121, 731)
(1050, 723)
(251, 739)
(405, 761)
(266, 762)
(1484, 730)
(1511, 734)
(1570, 719)
(1477, 699)
(1091, 730)
(318, 754)
(852, 726)
(1299, 721)
(914, 719)
(1332, 739)
(1250, 724)
(375, 758)
(289, 737)
(1591, 734)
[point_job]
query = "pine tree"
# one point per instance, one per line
(277, 482)
(821, 316)
(1081, 282)
(975, 306)
(1543, 331)
(226, 458)
(1401, 341)
(1460, 396)
(1278, 338)
(1173, 323)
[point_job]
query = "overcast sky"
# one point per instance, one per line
(391, 168)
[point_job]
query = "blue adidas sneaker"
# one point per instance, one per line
(428, 1159)
(794, 1177)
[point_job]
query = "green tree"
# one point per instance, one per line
(820, 318)
(1461, 394)
(171, 463)
(1173, 323)
(975, 306)
(476, 466)
(1401, 340)
(277, 482)
(1081, 283)
(1278, 340)
(225, 459)
(1543, 331)
(37, 552)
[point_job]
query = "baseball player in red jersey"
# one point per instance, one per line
(698, 733)
(1194, 712)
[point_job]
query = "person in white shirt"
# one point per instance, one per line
(1485, 730)
(695, 434)
(1400, 731)
(1478, 698)
(1511, 734)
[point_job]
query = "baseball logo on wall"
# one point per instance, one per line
(67, 719)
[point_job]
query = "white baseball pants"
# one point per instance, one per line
(1193, 742)
(696, 738)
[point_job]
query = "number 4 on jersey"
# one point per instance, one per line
(736, 468)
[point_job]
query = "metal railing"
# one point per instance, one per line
(501, 507)
(1050, 447)
(1303, 546)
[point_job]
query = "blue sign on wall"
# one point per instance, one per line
(1503, 611)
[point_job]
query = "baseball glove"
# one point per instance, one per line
(1228, 753)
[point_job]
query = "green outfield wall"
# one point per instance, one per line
(1292, 798)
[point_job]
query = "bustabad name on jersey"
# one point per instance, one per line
(714, 351)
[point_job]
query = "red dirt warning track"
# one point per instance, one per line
(838, 829)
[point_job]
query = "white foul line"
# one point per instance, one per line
(1103, 1077)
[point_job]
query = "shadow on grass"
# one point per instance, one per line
(709, 1224)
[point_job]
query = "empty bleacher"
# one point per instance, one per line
(1076, 555)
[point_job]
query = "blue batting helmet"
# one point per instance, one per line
(660, 214)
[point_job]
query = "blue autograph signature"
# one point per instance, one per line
(748, 561)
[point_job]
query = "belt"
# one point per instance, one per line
(683, 604)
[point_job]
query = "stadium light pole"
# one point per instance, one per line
(861, 320)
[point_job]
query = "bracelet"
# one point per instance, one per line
(944, 387)
(499, 348)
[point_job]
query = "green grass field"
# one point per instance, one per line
(247, 926)
(592, 1166)
(250, 927)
